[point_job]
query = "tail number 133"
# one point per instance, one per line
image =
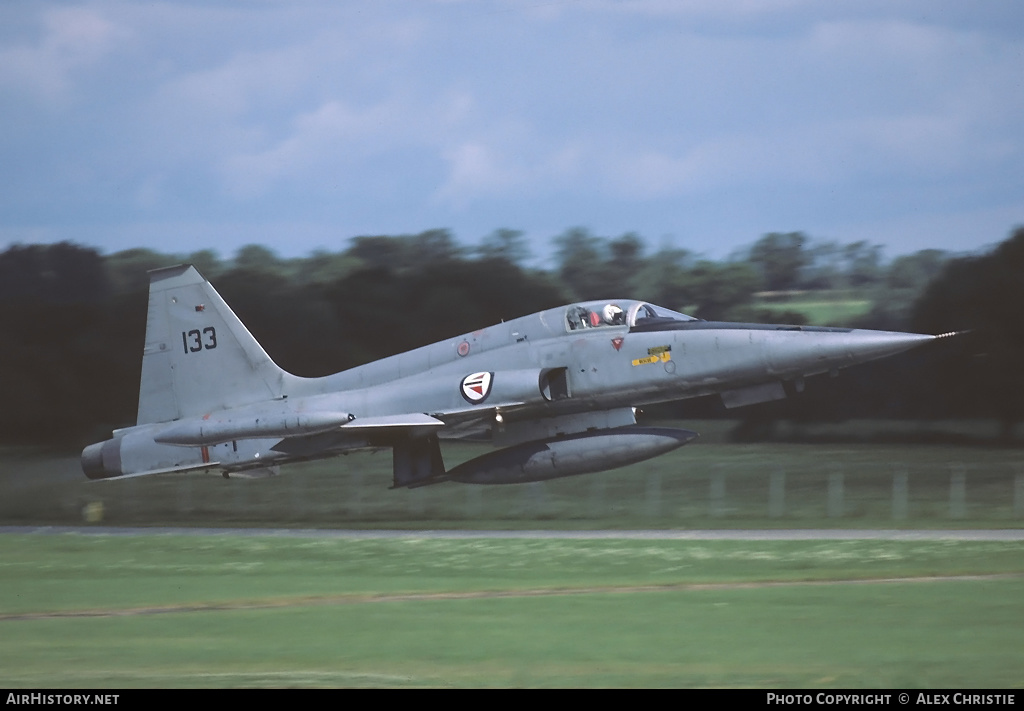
(195, 340)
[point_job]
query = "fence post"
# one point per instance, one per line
(835, 494)
(900, 491)
(717, 492)
(417, 499)
(297, 485)
(777, 494)
(241, 494)
(1018, 493)
(957, 491)
(355, 501)
(653, 507)
(134, 504)
(534, 503)
(597, 508)
(185, 496)
(473, 500)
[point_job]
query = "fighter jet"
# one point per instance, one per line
(555, 392)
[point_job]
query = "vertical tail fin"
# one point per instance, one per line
(198, 356)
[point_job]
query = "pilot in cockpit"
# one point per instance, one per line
(608, 315)
(613, 315)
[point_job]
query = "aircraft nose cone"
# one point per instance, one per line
(811, 352)
(863, 345)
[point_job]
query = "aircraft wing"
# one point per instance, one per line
(463, 423)
(470, 422)
(413, 424)
(361, 433)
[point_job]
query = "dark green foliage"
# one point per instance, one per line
(905, 280)
(405, 251)
(382, 311)
(584, 265)
(126, 270)
(986, 296)
(506, 244)
(294, 322)
(780, 257)
(74, 320)
(662, 280)
(864, 263)
(51, 274)
(63, 332)
(717, 289)
(257, 258)
(915, 271)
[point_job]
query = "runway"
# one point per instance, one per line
(820, 534)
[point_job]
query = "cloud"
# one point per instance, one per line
(510, 160)
(646, 114)
(326, 138)
(475, 170)
(836, 152)
(71, 39)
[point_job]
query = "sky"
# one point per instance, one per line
(700, 124)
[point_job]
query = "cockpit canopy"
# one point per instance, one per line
(607, 314)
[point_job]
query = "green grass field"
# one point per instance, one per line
(827, 308)
(103, 611)
(878, 478)
(224, 611)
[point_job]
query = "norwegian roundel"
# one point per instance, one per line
(476, 387)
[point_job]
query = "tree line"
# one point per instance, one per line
(74, 319)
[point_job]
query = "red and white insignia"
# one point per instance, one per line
(617, 342)
(463, 349)
(476, 387)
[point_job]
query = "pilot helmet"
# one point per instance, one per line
(613, 314)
